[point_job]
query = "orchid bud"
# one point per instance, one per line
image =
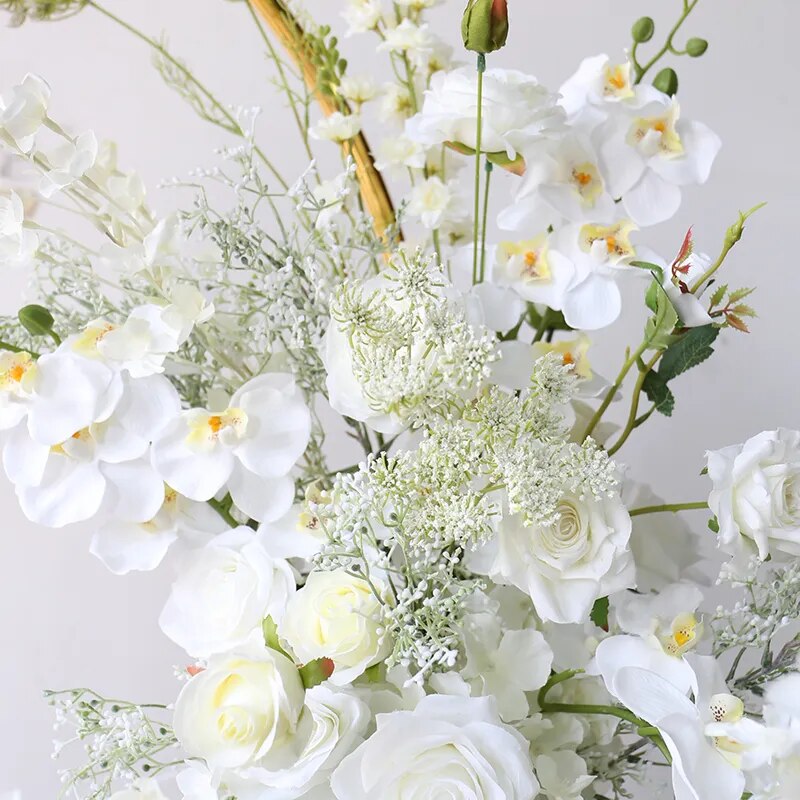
(643, 30)
(696, 46)
(37, 320)
(484, 27)
(667, 81)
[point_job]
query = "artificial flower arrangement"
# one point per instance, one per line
(479, 605)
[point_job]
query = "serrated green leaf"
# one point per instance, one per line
(599, 613)
(744, 310)
(313, 673)
(659, 394)
(693, 348)
(719, 293)
(740, 294)
(270, 631)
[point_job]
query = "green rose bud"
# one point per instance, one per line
(667, 81)
(37, 320)
(695, 47)
(484, 27)
(643, 30)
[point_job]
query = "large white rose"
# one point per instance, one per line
(756, 493)
(517, 111)
(223, 593)
(565, 567)
(332, 725)
(448, 746)
(336, 616)
(241, 709)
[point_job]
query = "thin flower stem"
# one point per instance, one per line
(232, 125)
(633, 419)
(223, 512)
(673, 507)
(631, 359)
(641, 71)
(478, 142)
(488, 168)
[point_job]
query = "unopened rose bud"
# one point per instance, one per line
(37, 320)
(484, 27)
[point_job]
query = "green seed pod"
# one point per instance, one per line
(696, 47)
(667, 81)
(643, 30)
(484, 27)
(37, 320)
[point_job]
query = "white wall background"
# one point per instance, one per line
(64, 620)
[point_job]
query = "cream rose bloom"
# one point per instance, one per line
(517, 111)
(565, 567)
(242, 709)
(448, 746)
(756, 494)
(333, 724)
(223, 593)
(336, 616)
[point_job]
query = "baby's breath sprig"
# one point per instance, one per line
(122, 741)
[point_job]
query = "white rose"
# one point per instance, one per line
(336, 616)
(140, 790)
(454, 747)
(223, 593)
(241, 709)
(517, 111)
(756, 493)
(565, 567)
(332, 725)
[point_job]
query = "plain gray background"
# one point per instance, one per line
(64, 620)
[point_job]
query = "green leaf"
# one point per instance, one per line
(739, 294)
(553, 319)
(270, 631)
(658, 393)
(313, 673)
(658, 329)
(719, 293)
(599, 613)
(654, 268)
(693, 348)
(713, 525)
(36, 319)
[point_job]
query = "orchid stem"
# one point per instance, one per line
(671, 507)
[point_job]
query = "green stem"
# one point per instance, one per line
(633, 419)
(484, 224)
(223, 512)
(641, 71)
(672, 507)
(732, 236)
(232, 125)
(14, 349)
(273, 53)
(631, 359)
(478, 142)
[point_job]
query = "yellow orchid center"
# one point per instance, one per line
(659, 133)
(16, 371)
(573, 352)
(617, 81)
(587, 182)
(727, 708)
(615, 238)
(206, 429)
(94, 333)
(685, 632)
(528, 259)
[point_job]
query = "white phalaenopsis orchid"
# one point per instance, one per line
(17, 243)
(250, 447)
